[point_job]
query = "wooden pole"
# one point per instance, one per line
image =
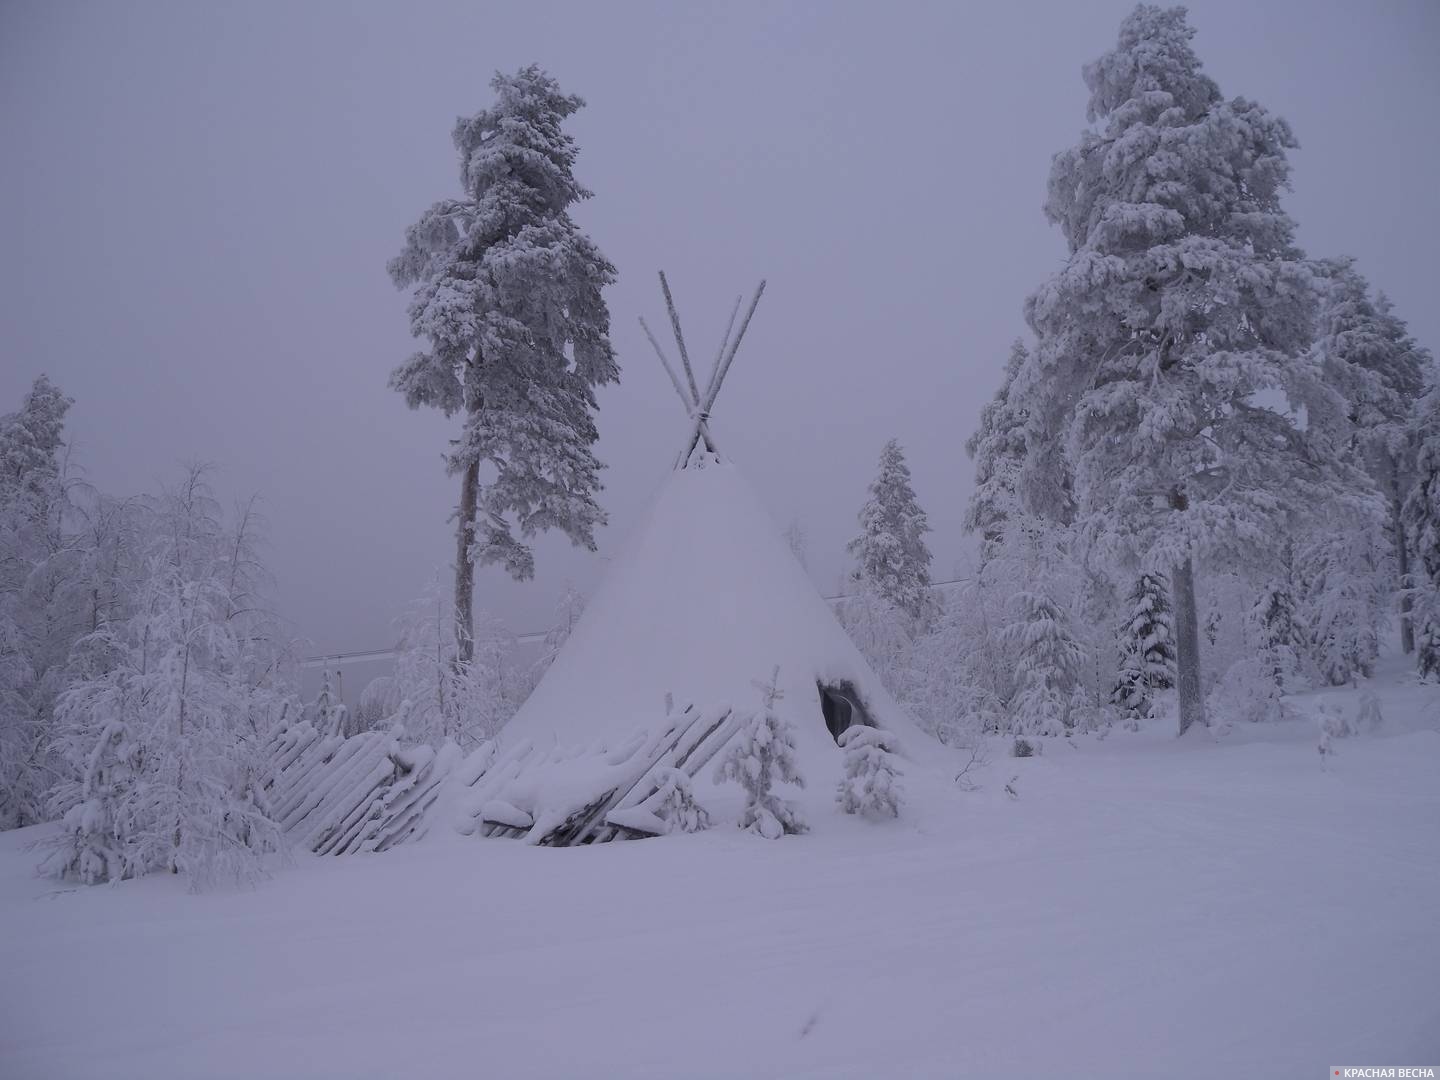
(679, 337)
(665, 362)
(700, 429)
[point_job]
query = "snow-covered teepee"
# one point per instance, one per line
(704, 600)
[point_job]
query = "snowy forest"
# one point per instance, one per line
(1201, 513)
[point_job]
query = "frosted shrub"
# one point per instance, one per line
(871, 785)
(762, 754)
(1247, 692)
(1023, 747)
(675, 803)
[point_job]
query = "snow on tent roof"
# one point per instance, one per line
(705, 599)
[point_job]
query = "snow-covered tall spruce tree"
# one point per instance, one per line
(1369, 354)
(998, 450)
(1179, 324)
(891, 554)
(1422, 519)
(42, 598)
(1148, 647)
(508, 296)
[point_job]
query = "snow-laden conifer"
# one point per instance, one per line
(890, 552)
(1147, 647)
(1381, 370)
(1172, 356)
(1422, 519)
(871, 785)
(1347, 581)
(1047, 659)
(999, 450)
(1276, 630)
(760, 756)
(674, 803)
(45, 599)
(507, 296)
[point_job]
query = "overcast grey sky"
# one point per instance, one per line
(197, 201)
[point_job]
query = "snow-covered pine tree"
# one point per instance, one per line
(42, 599)
(1047, 660)
(328, 713)
(1147, 647)
(871, 785)
(674, 802)
(508, 295)
(1276, 630)
(1181, 319)
(165, 723)
(761, 755)
(1347, 581)
(998, 449)
(1369, 354)
(890, 551)
(1422, 519)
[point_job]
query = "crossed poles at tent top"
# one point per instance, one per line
(697, 404)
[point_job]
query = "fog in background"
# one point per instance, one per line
(197, 202)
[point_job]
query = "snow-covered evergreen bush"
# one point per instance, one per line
(760, 756)
(1023, 747)
(1148, 648)
(871, 785)
(675, 803)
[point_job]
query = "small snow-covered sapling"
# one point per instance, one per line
(761, 755)
(871, 785)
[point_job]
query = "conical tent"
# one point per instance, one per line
(706, 600)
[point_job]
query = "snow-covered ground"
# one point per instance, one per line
(1144, 907)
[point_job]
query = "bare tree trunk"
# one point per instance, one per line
(1187, 635)
(1402, 562)
(465, 568)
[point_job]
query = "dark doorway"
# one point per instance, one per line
(841, 707)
